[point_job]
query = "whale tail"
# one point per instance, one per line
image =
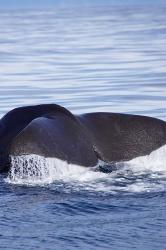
(50, 130)
(17, 119)
(122, 137)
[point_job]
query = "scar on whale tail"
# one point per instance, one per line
(50, 130)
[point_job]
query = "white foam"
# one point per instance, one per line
(35, 169)
(142, 174)
(156, 161)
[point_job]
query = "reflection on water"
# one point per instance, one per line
(106, 59)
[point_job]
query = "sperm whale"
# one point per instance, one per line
(51, 130)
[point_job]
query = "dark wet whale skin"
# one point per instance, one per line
(15, 121)
(52, 131)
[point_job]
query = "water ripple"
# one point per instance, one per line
(105, 58)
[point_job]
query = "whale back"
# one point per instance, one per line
(122, 137)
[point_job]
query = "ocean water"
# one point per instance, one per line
(89, 58)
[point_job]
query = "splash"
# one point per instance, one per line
(34, 169)
(154, 162)
(142, 174)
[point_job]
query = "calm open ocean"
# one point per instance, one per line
(89, 58)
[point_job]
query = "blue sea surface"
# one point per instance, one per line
(89, 58)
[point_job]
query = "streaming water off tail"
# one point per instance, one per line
(142, 174)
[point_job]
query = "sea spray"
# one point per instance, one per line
(34, 169)
(142, 174)
(154, 162)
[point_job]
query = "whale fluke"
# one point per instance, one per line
(50, 130)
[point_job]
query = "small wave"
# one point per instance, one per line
(142, 174)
